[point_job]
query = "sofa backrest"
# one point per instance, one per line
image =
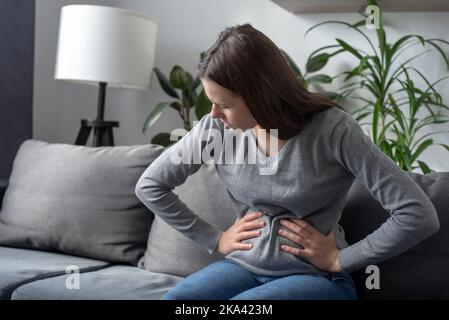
(419, 273)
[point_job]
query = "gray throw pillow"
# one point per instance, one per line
(78, 200)
(168, 250)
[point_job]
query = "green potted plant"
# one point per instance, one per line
(385, 87)
(191, 96)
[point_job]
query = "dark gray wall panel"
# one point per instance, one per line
(16, 78)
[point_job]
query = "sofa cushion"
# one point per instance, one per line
(168, 250)
(21, 266)
(419, 273)
(78, 200)
(114, 283)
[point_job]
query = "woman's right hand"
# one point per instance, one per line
(242, 229)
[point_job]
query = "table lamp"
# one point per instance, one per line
(104, 46)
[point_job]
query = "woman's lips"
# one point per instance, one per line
(226, 125)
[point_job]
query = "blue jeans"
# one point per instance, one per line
(225, 279)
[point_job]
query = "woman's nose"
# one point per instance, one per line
(214, 112)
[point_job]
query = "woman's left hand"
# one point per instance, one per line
(319, 250)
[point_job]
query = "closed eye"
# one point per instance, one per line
(221, 106)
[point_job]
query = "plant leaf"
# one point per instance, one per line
(359, 23)
(423, 146)
(165, 84)
(292, 64)
(320, 78)
(362, 116)
(323, 48)
(355, 28)
(179, 78)
(444, 146)
(375, 125)
(349, 48)
(441, 51)
(193, 99)
(195, 84)
(427, 135)
(424, 167)
(162, 139)
(386, 148)
(155, 114)
(176, 105)
(398, 44)
(358, 70)
(203, 105)
(317, 62)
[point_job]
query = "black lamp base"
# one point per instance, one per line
(103, 135)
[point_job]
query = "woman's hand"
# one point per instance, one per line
(242, 229)
(319, 250)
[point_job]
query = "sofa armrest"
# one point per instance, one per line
(3, 186)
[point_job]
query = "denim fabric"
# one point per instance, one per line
(225, 279)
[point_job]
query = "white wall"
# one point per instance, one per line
(185, 28)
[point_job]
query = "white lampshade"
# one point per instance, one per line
(105, 44)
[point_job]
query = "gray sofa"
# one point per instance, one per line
(72, 228)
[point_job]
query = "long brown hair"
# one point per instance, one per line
(246, 62)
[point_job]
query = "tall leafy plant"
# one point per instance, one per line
(387, 91)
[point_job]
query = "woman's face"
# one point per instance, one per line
(228, 107)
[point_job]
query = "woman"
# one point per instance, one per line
(286, 242)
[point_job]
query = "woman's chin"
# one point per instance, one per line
(227, 126)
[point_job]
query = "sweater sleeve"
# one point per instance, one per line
(412, 218)
(171, 169)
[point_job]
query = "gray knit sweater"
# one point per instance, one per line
(308, 178)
